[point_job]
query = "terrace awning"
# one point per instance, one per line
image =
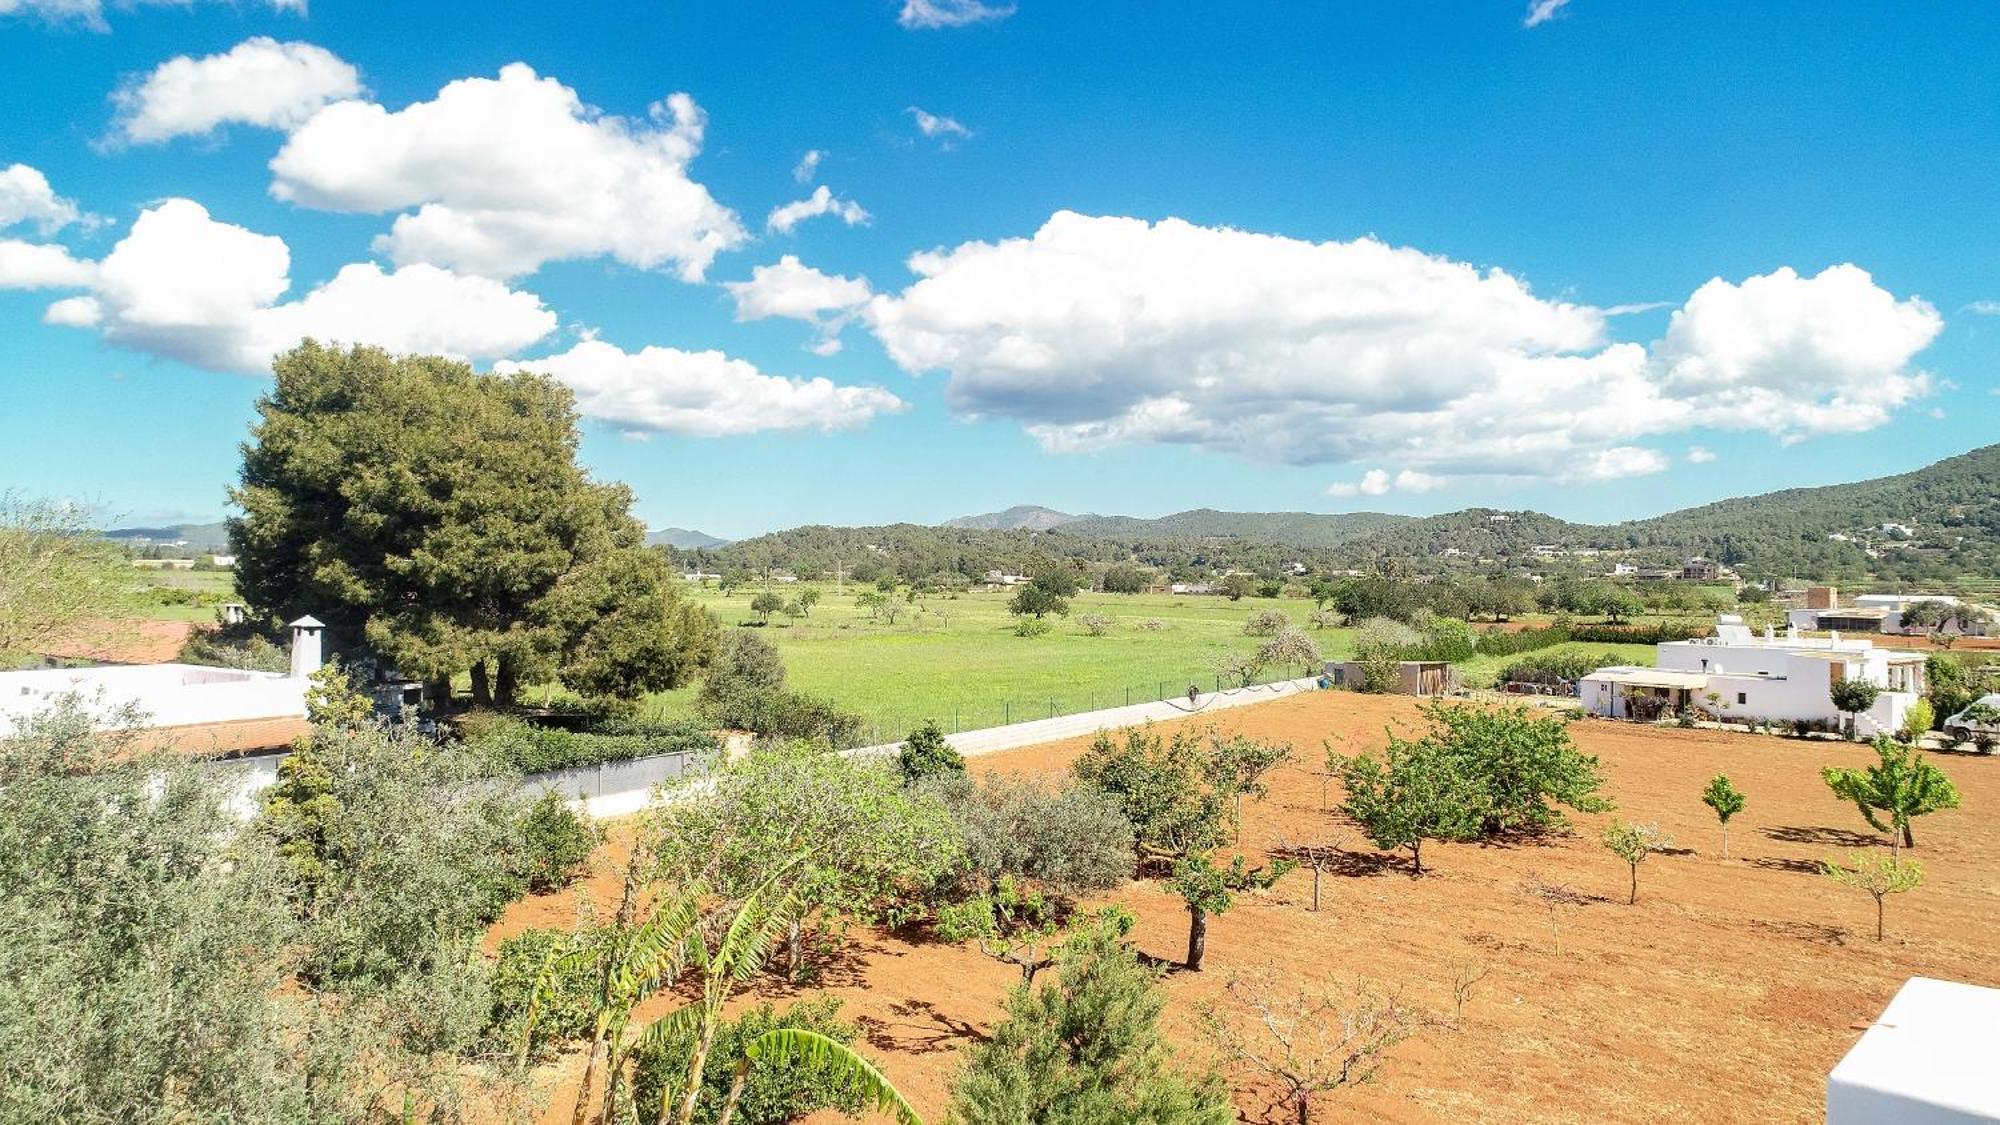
(1652, 678)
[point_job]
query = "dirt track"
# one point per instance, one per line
(1726, 993)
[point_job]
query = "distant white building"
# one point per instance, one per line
(1739, 674)
(1883, 613)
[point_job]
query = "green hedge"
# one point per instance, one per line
(536, 749)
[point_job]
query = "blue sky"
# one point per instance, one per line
(1328, 256)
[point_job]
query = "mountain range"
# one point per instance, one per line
(683, 538)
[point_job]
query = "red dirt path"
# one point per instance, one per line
(1725, 994)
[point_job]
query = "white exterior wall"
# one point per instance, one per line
(1926, 1061)
(166, 695)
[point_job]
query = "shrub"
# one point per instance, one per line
(1266, 623)
(1067, 841)
(777, 1087)
(556, 840)
(234, 647)
(1096, 624)
(1446, 638)
(527, 748)
(1918, 721)
(1498, 643)
(567, 1008)
(1033, 627)
(925, 754)
(784, 714)
(1554, 667)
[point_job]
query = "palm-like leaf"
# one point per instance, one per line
(817, 1050)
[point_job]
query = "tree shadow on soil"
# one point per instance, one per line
(1796, 866)
(1820, 835)
(844, 966)
(919, 1029)
(1813, 932)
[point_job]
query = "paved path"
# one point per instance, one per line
(973, 743)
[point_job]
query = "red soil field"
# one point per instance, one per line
(1725, 994)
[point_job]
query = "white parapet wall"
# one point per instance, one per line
(155, 695)
(1927, 1061)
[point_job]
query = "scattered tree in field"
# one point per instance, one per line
(1320, 857)
(1161, 787)
(794, 610)
(807, 599)
(1851, 697)
(1291, 648)
(1086, 1047)
(925, 754)
(1237, 765)
(1236, 587)
(765, 604)
(1238, 671)
(1465, 977)
(1267, 623)
(1307, 1042)
(1633, 843)
(55, 574)
(1209, 890)
(1554, 898)
(1036, 601)
(1879, 875)
(1727, 801)
(1415, 795)
(1900, 787)
(1324, 618)
(1525, 761)
(440, 515)
(1096, 624)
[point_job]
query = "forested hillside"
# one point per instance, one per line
(1951, 510)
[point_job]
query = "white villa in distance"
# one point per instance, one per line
(1875, 613)
(197, 708)
(1738, 674)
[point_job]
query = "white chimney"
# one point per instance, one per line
(307, 635)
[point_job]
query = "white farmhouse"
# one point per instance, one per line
(195, 707)
(1739, 674)
(1883, 613)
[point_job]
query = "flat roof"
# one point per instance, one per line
(1650, 677)
(1931, 1048)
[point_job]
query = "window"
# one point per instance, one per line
(1742, 697)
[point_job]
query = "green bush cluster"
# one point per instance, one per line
(1555, 667)
(528, 748)
(777, 1088)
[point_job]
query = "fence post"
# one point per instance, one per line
(1006, 712)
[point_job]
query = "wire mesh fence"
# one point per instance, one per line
(952, 718)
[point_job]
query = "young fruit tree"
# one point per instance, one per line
(1237, 765)
(1901, 784)
(1209, 890)
(1319, 856)
(1415, 796)
(1555, 898)
(1727, 801)
(1633, 843)
(1307, 1042)
(1879, 875)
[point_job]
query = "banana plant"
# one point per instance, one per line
(814, 1049)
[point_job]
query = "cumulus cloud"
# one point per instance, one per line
(27, 199)
(808, 166)
(950, 13)
(1797, 356)
(90, 13)
(184, 286)
(259, 82)
(820, 202)
(702, 394)
(1103, 330)
(937, 127)
(1378, 482)
(1700, 455)
(29, 265)
(797, 291)
(508, 173)
(1542, 11)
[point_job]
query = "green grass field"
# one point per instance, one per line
(960, 663)
(181, 595)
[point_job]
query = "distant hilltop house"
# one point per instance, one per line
(1739, 674)
(222, 562)
(1193, 588)
(195, 707)
(1002, 578)
(1881, 613)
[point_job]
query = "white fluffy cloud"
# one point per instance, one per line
(1542, 11)
(90, 13)
(950, 13)
(508, 173)
(1700, 455)
(702, 394)
(808, 166)
(1378, 482)
(183, 286)
(29, 265)
(797, 291)
(1105, 330)
(258, 82)
(820, 202)
(26, 198)
(1797, 355)
(938, 127)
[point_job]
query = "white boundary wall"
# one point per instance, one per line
(1927, 1061)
